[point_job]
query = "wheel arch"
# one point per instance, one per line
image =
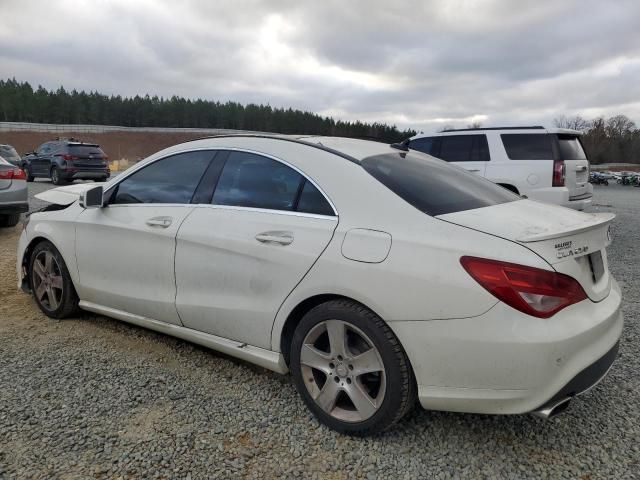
(26, 256)
(300, 310)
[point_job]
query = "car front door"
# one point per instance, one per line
(125, 250)
(238, 258)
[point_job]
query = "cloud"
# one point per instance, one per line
(417, 64)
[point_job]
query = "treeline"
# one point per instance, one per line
(612, 140)
(19, 102)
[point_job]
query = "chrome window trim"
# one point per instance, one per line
(226, 207)
(232, 149)
(268, 210)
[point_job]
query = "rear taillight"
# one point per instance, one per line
(69, 157)
(536, 292)
(15, 174)
(558, 173)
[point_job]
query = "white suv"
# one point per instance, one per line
(546, 164)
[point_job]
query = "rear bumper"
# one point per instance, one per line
(586, 379)
(85, 174)
(560, 196)
(505, 362)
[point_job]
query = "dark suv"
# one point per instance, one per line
(66, 160)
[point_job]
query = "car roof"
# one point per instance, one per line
(356, 148)
(352, 149)
(521, 129)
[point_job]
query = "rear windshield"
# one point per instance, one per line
(527, 146)
(432, 186)
(85, 150)
(8, 152)
(570, 147)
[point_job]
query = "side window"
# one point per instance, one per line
(424, 145)
(312, 201)
(480, 150)
(250, 180)
(456, 148)
(171, 180)
(570, 147)
(42, 149)
(527, 146)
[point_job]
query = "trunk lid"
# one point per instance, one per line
(88, 156)
(576, 164)
(573, 243)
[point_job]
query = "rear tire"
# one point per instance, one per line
(56, 179)
(9, 220)
(360, 385)
(51, 283)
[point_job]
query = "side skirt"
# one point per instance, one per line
(265, 358)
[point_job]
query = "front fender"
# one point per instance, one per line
(58, 227)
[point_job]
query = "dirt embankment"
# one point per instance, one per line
(130, 145)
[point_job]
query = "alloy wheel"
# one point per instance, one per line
(343, 371)
(48, 284)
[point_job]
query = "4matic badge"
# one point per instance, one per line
(565, 249)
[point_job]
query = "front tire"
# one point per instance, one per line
(350, 369)
(51, 283)
(27, 172)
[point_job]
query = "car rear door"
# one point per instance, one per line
(41, 162)
(470, 151)
(239, 256)
(125, 251)
(576, 165)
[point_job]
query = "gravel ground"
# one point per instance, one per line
(95, 398)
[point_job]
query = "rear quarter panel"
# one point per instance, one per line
(421, 278)
(525, 175)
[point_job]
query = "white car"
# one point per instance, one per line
(544, 164)
(375, 276)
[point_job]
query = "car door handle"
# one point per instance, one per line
(280, 238)
(581, 168)
(472, 169)
(162, 222)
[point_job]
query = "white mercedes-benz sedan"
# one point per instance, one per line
(376, 276)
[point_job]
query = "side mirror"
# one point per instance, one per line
(92, 198)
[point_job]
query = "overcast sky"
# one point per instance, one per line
(417, 64)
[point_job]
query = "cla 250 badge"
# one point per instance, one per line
(565, 249)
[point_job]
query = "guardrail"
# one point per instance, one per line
(60, 128)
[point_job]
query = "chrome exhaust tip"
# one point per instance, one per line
(553, 410)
